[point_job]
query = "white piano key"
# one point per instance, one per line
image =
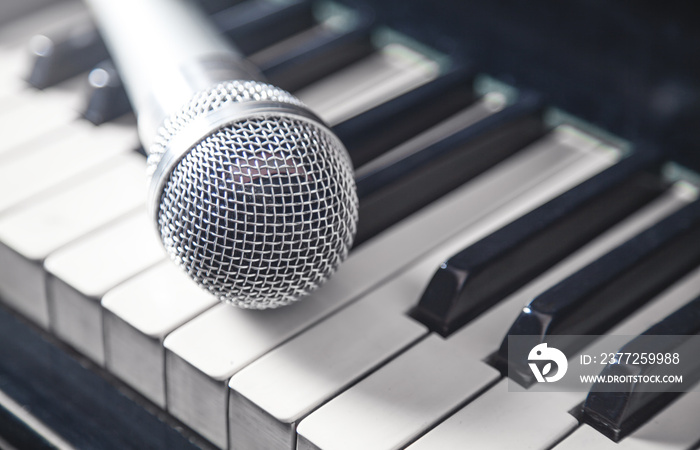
(14, 10)
(391, 412)
(82, 272)
(233, 338)
(139, 314)
(333, 354)
(487, 331)
(674, 428)
(14, 65)
(498, 409)
(388, 73)
(83, 148)
(31, 118)
(44, 225)
(51, 17)
(33, 231)
(264, 407)
(488, 421)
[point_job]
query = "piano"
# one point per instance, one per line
(524, 169)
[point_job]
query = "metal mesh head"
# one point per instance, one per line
(202, 103)
(262, 211)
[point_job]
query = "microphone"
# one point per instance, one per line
(252, 194)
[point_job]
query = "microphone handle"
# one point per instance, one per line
(165, 51)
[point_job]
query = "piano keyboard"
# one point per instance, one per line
(475, 199)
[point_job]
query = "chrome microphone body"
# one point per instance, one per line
(253, 196)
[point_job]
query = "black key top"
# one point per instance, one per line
(107, 98)
(296, 63)
(254, 25)
(597, 297)
(402, 185)
(486, 272)
(65, 54)
(368, 135)
(617, 414)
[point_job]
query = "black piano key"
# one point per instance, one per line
(64, 54)
(486, 272)
(106, 98)
(368, 135)
(405, 184)
(296, 63)
(254, 25)
(617, 414)
(597, 297)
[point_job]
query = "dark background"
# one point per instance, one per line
(630, 67)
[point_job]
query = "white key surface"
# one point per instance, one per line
(81, 149)
(30, 118)
(41, 227)
(444, 378)
(15, 64)
(158, 300)
(674, 428)
(46, 19)
(503, 419)
(100, 261)
(14, 10)
(139, 314)
(82, 272)
(30, 232)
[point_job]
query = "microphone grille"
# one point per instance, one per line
(261, 211)
(221, 94)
